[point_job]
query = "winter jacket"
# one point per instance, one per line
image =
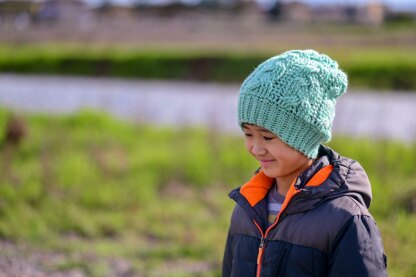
(323, 229)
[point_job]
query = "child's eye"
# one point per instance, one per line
(247, 135)
(268, 138)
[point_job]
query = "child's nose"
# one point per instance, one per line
(258, 148)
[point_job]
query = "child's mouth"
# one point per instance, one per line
(265, 163)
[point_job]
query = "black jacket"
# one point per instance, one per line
(323, 229)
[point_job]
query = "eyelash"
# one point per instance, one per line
(265, 138)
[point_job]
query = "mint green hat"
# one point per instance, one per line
(293, 95)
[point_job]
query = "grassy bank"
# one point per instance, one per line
(93, 189)
(376, 68)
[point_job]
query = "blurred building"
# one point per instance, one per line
(115, 11)
(62, 10)
(289, 11)
(373, 13)
(297, 12)
(23, 13)
(19, 14)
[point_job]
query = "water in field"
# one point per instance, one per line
(363, 113)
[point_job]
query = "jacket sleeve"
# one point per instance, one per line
(228, 257)
(358, 250)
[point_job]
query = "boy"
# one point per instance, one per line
(305, 212)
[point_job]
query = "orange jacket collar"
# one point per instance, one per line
(259, 185)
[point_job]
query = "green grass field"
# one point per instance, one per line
(93, 188)
(381, 68)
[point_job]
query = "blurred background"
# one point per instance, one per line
(119, 137)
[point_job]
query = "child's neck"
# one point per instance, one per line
(284, 182)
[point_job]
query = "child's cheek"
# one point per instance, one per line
(249, 146)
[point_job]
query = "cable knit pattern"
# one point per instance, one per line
(293, 95)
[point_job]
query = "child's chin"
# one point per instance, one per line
(269, 173)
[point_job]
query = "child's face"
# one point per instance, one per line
(277, 159)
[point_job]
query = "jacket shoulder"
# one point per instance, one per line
(241, 223)
(319, 228)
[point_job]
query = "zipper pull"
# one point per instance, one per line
(262, 241)
(261, 248)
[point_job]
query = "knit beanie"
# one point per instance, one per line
(293, 95)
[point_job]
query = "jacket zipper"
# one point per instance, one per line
(262, 245)
(261, 249)
(263, 238)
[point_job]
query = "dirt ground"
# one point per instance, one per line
(17, 260)
(206, 31)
